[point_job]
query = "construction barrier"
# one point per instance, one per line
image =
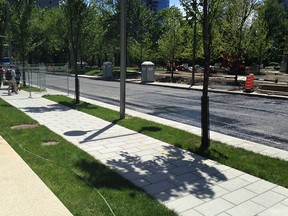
(249, 84)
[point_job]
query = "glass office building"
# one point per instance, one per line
(157, 5)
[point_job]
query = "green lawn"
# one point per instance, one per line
(116, 72)
(270, 169)
(74, 176)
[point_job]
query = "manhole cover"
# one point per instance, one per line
(49, 143)
(25, 126)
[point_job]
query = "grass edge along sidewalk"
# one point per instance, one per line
(265, 167)
(83, 184)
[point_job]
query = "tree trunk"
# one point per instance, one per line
(205, 141)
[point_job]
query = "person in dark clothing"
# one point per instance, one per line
(1, 76)
(17, 78)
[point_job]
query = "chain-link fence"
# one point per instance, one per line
(43, 75)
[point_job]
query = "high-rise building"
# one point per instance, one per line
(157, 5)
(285, 3)
(47, 3)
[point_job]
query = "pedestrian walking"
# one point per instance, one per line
(1, 75)
(17, 78)
(10, 76)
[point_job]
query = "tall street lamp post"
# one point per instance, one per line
(205, 142)
(123, 53)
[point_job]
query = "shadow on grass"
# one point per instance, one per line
(149, 129)
(99, 176)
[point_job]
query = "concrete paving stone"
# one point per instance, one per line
(94, 148)
(210, 193)
(268, 199)
(159, 187)
(140, 182)
(276, 210)
(147, 152)
(220, 167)
(239, 196)
(184, 203)
(260, 186)
(270, 151)
(132, 150)
(187, 178)
(281, 190)
(142, 147)
(282, 155)
(102, 142)
(204, 174)
(249, 178)
(110, 156)
(184, 169)
(147, 158)
(131, 176)
(156, 167)
(180, 162)
(130, 145)
(120, 170)
(157, 177)
(285, 202)
(190, 212)
(247, 208)
(120, 144)
(214, 207)
(231, 174)
(108, 150)
(223, 214)
(234, 184)
(163, 197)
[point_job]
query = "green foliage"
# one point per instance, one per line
(20, 14)
(49, 35)
(170, 42)
(2, 26)
(251, 29)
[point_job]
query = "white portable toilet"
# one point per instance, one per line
(107, 70)
(147, 71)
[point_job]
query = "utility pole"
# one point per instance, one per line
(123, 53)
(194, 43)
(205, 142)
(9, 31)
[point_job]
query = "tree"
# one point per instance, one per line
(20, 26)
(257, 43)
(75, 11)
(238, 15)
(275, 21)
(49, 43)
(2, 27)
(171, 40)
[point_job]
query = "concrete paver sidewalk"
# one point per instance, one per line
(183, 181)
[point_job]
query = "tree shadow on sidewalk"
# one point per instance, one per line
(174, 173)
(49, 108)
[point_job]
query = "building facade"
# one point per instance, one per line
(157, 5)
(47, 3)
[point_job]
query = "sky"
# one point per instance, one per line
(174, 2)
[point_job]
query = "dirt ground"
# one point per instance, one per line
(270, 77)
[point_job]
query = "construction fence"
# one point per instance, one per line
(43, 75)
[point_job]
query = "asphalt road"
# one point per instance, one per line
(258, 119)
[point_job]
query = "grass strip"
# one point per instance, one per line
(264, 167)
(73, 175)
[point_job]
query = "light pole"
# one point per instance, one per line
(123, 53)
(8, 30)
(205, 142)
